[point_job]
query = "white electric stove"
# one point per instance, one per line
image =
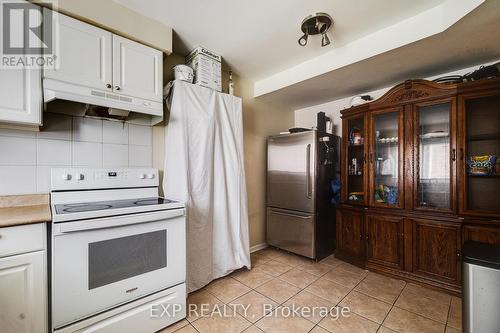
(118, 252)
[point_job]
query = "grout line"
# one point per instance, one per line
(448, 314)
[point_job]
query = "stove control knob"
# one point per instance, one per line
(81, 176)
(151, 176)
(142, 176)
(66, 176)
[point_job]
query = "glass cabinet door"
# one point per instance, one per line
(355, 160)
(434, 157)
(480, 155)
(386, 158)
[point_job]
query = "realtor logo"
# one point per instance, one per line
(27, 35)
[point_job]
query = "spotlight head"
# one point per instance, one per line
(325, 40)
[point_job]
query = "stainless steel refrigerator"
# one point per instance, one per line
(300, 213)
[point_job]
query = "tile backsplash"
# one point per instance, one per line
(65, 141)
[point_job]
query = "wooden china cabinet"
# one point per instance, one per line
(419, 179)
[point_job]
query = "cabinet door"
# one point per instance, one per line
(350, 237)
(83, 53)
(354, 169)
(23, 293)
(137, 69)
(435, 155)
(479, 140)
(436, 250)
(386, 158)
(20, 93)
(384, 240)
(21, 96)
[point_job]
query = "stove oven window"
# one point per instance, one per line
(121, 258)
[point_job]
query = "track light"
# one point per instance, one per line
(316, 24)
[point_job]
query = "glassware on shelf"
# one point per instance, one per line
(385, 158)
(355, 162)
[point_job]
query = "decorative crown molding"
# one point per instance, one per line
(409, 95)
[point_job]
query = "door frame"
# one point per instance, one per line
(462, 155)
(453, 153)
(345, 166)
(371, 167)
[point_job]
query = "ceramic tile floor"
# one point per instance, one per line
(280, 280)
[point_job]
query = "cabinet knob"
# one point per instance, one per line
(117, 88)
(108, 86)
(22, 316)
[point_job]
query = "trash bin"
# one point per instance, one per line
(481, 287)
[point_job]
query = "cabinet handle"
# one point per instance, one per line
(117, 88)
(367, 238)
(453, 155)
(459, 254)
(461, 154)
(108, 86)
(360, 236)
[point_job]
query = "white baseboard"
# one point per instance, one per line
(258, 247)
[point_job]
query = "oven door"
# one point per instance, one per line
(101, 263)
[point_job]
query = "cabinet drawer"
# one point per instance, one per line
(22, 238)
(149, 314)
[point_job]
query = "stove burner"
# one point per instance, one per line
(84, 207)
(110, 205)
(145, 202)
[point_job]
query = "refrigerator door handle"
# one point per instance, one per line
(278, 212)
(308, 171)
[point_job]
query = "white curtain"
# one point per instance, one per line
(204, 168)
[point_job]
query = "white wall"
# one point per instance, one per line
(306, 117)
(65, 141)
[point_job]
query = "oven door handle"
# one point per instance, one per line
(117, 221)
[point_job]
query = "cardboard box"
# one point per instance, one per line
(207, 68)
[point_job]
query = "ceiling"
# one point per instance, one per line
(259, 38)
(472, 41)
(375, 44)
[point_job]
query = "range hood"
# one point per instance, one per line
(111, 104)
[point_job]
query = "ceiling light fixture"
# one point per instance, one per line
(316, 24)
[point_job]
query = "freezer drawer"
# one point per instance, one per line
(291, 161)
(290, 230)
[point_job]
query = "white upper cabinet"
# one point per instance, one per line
(137, 69)
(20, 92)
(92, 57)
(21, 96)
(84, 53)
